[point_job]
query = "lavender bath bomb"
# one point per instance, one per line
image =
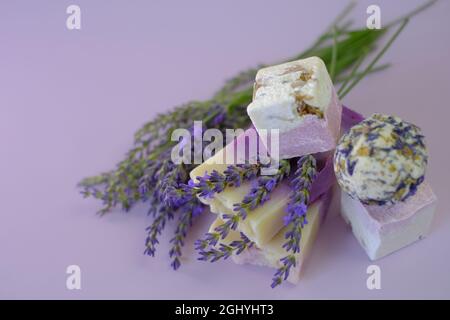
(381, 160)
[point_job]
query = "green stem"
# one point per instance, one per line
(375, 60)
(334, 55)
(411, 14)
(352, 74)
(373, 70)
(334, 24)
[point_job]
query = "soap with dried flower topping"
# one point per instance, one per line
(297, 99)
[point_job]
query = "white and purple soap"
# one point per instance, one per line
(297, 99)
(380, 166)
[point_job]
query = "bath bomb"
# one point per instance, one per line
(381, 160)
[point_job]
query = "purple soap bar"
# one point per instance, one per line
(384, 229)
(380, 166)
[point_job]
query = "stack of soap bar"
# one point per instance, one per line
(270, 253)
(380, 165)
(264, 222)
(298, 99)
(264, 225)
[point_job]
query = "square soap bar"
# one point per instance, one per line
(382, 230)
(269, 254)
(298, 99)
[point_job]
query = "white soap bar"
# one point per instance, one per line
(382, 230)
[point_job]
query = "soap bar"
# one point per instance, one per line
(298, 99)
(384, 229)
(264, 222)
(270, 253)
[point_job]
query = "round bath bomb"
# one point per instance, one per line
(381, 160)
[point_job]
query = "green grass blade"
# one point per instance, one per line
(375, 60)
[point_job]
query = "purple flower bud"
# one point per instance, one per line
(270, 184)
(218, 119)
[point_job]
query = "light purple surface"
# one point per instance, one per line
(71, 100)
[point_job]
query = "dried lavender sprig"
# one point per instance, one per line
(182, 197)
(283, 272)
(213, 254)
(259, 193)
(165, 200)
(152, 144)
(215, 182)
(192, 209)
(155, 229)
(257, 196)
(296, 214)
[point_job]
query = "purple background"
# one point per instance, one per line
(70, 102)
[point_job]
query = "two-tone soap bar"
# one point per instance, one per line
(297, 99)
(380, 166)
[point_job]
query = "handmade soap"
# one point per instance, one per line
(298, 99)
(380, 166)
(264, 222)
(382, 230)
(270, 253)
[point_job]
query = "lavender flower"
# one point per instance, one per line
(235, 175)
(190, 212)
(215, 182)
(257, 196)
(167, 199)
(283, 272)
(155, 229)
(211, 253)
(218, 119)
(176, 196)
(296, 214)
(145, 174)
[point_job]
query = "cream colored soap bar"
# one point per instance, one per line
(261, 224)
(270, 253)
